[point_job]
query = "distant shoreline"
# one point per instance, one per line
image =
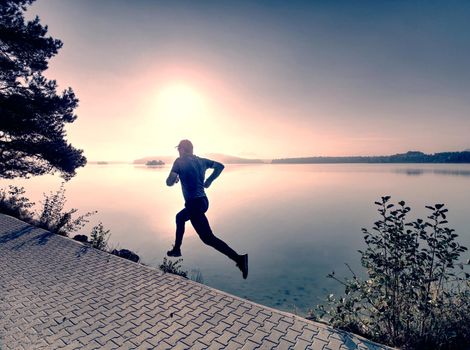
(412, 157)
(282, 162)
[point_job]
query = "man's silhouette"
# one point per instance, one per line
(191, 170)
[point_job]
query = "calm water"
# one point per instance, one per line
(297, 222)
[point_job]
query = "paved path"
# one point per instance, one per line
(57, 293)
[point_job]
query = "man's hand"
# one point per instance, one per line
(172, 179)
(218, 167)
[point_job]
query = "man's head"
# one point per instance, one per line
(185, 147)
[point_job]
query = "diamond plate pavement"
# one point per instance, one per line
(56, 293)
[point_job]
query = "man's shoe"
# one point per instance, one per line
(243, 265)
(175, 252)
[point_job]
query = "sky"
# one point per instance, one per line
(263, 79)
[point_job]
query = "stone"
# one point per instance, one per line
(126, 254)
(81, 238)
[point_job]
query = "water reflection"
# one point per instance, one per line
(300, 222)
(446, 172)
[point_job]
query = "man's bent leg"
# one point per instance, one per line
(203, 229)
(181, 219)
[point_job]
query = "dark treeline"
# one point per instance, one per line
(409, 157)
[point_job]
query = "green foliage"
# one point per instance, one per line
(173, 267)
(99, 237)
(14, 203)
(33, 114)
(196, 276)
(417, 294)
(54, 218)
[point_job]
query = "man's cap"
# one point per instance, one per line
(186, 146)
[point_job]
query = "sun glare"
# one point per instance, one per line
(179, 111)
(180, 103)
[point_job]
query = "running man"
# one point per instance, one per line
(191, 170)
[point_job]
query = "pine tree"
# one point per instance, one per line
(32, 113)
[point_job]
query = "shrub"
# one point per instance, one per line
(54, 218)
(417, 294)
(14, 203)
(99, 237)
(173, 267)
(196, 276)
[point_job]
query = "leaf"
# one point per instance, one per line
(429, 207)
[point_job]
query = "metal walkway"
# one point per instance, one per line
(56, 293)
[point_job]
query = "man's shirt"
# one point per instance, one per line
(191, 170)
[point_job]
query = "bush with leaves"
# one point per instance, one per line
(54, 218)
(99, 237)
(14, 203)
(196, 276)
(173, 267)
(417, 294)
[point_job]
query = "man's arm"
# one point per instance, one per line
(218, 167)
(172, 179)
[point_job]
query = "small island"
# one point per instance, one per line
(153, 163)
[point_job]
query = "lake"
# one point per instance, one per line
(297, 222)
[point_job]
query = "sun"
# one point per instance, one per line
(180, 110)
(180, 103)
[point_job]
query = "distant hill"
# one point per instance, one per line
(227, 159)
(409, 157)
(223, 158)
(107, 162)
